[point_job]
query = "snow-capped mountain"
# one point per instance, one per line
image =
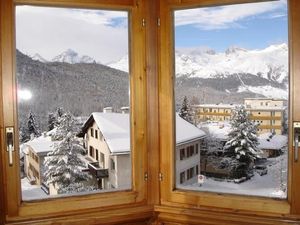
(270, 63)
(38, 57)
(122, 64)
(70, 56)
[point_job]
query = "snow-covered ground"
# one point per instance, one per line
(30, 192)
(272, 185)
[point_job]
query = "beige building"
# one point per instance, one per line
(267, 112)
(35, 152)
(107, 140)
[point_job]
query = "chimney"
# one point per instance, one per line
(125, 109)
(108, 110)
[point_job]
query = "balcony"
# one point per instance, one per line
(97, 171)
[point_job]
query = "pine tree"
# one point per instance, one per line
(32, 126)
(52, 121)
(241, 150)
(185, 111)
(63, 166)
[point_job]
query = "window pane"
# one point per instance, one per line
(231, 99)
(73, 85)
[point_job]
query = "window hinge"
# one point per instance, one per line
(143, 22)
(146, 176)
(160, 177)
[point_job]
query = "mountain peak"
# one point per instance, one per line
(38, 57)
(234, 49)
(72, 57)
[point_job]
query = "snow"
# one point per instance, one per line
(38, 57)
(42, 144)
(266, 141)
(221, 106)
(267, 91)
(233, 61)
(30, 192)
(186, 131)
(70, 56)
(217, 130)
(115, 129)
(122, 64)
(272, 185)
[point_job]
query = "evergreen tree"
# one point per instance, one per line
(185, 111)
(52, 121)
(63, 166)
(32, 126)
(241, 150)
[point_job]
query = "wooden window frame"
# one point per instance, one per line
(172, 197)
(134, 201)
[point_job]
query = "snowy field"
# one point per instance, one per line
(30, 192)
(272, 185)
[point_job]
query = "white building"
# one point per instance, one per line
(107, 140)
(188, 143)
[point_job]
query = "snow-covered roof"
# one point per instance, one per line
(225, 106)
(275, 142)
(266, 108)
(115, 129)
(218, 130)
(42, 144)
(186, 131)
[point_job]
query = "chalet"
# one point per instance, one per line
(107, 141)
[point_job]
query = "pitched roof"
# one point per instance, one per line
(41, 145)
(115, 130)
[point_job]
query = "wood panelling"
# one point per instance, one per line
(295, 107)
(152, 100)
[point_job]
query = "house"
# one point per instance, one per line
(107, 141)
(272, 145)
(269, 113)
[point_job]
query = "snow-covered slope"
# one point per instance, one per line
(270, 63)
(38, 57)
(70, 56)
(122, 64)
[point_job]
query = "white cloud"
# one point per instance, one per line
(50, 31)
(223, 17)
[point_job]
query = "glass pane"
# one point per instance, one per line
(231, 99)
(73, 101)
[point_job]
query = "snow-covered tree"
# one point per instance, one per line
(52, 121)
(32, 127)
(63, 166)
(185, 111)
(241, 150)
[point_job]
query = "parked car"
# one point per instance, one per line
(261, 170)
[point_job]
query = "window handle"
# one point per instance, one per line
(296, 140)
(10, 143)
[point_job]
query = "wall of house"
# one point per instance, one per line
(123, 171)
(33, 169)
(187, 162)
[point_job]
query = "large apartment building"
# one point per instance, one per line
(267, 112)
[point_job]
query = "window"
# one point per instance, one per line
(92, 132)
(182, 153)
(124, 12)
(91, 151)
(102, 162)
(176, 66)
(112, 164)
(97, 155)
(96, 134)
(182, 177)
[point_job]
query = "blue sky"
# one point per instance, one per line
(250, 26)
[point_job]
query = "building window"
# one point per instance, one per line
(96, 134)
(102, 162)
(91, 151)
(97, 156)
(182, 177)
(92, 132)
(182, 153)
(112, 164)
